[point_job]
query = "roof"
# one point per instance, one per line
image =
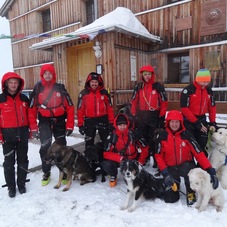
(120, 20)
(5, 8)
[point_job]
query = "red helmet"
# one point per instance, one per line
(147, 68)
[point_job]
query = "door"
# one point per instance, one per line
(80, 62)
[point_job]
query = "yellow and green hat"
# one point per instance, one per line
(203, 75)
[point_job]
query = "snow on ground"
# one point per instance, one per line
(94, 204)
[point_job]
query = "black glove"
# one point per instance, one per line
(169, 181)
(161, 122)
(35, 135)
(213, 177)
(213, 126)
(198, 125)
(68, 132)
(111, 127)
(82, 130)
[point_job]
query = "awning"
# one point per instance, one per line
(120, 20)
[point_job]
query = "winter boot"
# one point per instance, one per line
(21, 177)
(113, 181)
(12, 192)
(46, 179)
(191, 198)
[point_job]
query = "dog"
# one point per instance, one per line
(70, 162)
(218, 154)
(200, 183)
(140, 184)
(94, 155)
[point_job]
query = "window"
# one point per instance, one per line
(46, 20)
(178, 68)
(90, 11)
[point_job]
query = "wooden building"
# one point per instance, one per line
(182, 37)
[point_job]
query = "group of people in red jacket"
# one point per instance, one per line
(50, 112)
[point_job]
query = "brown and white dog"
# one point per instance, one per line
(200, 183)
(140, 185)
(70, 162)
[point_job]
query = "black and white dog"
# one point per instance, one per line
(140, 184)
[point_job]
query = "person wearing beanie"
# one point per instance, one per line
(175, 153)
(123, 143)
(14, 132)
(94, 110)
(148, 106)
(196, 101)
(51, 104)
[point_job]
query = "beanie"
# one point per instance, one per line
(203, 75)
(147, 68)
(121, 120)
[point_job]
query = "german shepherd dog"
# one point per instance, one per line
(94, 155)
(140, 184)
(70, 162)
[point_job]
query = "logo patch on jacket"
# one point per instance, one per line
(58, 94)
(183, 144)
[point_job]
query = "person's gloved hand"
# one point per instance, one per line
(68, 132)
(169, 181)
(111, 127)
(213, 177)
(82, 130)
(35, 135)
(161, 122)
(213, 126)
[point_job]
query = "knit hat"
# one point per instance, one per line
(203, 75)
(121, 120)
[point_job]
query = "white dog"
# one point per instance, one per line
(218, 153)
(200, 183)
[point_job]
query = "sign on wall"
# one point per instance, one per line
(213, 17)
(213, 60)
(133, 67)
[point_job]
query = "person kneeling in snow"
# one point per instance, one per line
(176, 149)
(123, 143)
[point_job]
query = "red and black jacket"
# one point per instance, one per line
(150, 96)
(125, 144)
(176, 148)
(196, 101)
(94, 103)
(14, 124)
(59, 103)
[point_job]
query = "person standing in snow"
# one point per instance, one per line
(52, 105)
(175, 153)
(123, 143)
(196, 100)
(14, 131)
(94, 110)
(149, 105)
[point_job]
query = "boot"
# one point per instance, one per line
(12, 192)
(64, 179)
(113, 181)
(21, 177)
(46, 179)
(10, 180)
(191, 198)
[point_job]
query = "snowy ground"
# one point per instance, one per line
(94, 204)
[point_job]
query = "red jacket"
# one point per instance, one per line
(175, 149)
(13, 109)
(58, 104)
(149, 96)
(197, 101)
(124, 144)
(94, 103)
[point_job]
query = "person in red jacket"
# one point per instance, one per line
(94, 110)
(149, 105)
(176, 150)
(14, 131)
(196, 100)
(123, 143)
(52, 105)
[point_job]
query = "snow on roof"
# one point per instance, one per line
(120, 20)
